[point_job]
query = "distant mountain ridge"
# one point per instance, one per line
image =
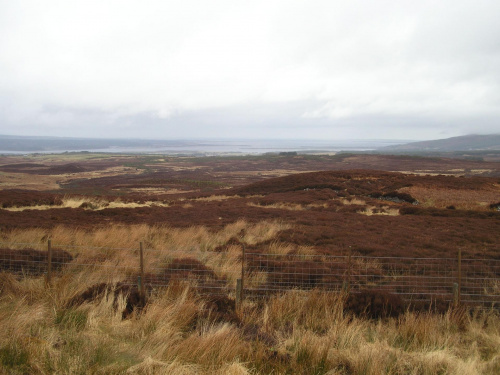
(471, 142)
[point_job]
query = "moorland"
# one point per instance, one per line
(90, 205)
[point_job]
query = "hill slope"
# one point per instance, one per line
(463, 143)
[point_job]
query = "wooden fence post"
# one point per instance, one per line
(239, 293)
(459, 281)
(349, 271)
(346, 286)
(240, 281)
(455, 295)
(141, 271)
(243, 259)
(49, 262)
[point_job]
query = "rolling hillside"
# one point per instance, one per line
(463, 143)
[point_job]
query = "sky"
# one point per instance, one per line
(349, 69)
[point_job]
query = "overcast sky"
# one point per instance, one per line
(401, 69)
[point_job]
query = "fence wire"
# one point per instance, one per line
(472, 281)
(416, 279)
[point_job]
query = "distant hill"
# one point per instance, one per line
(464, 143)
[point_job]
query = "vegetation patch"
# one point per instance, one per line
(375, 304)
(32, 262)
(133, 300)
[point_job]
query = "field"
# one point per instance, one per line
(196, 216)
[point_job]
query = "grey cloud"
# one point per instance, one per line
(250, 121)
(291, 69)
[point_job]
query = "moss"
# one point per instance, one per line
(15, 359)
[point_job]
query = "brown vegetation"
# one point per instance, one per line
(31, 262)
(194, 216)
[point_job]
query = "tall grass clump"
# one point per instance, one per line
(153, 237)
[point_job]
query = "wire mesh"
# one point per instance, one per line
(415, 279)
(189, 267)
(216, 273)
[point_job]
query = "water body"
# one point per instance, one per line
(197, 147)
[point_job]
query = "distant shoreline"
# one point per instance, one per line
(33, 145)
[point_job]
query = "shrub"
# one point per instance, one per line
(375, 304)
(397, 197)
(134, 301)
(495, 206)
(303, 275)
(32, 262)
(220, 309)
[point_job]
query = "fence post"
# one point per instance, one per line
(243, 259)
(455, 295)
(240, 281)
(349, 271)
(239, 293)
(141, 277)
(49, 262)
(459, 281)
(346, 287)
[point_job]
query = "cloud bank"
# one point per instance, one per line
(279, 69)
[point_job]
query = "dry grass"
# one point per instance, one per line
(94, 204)
(112, 248)
(352, 201)
(460, 199)
(219, 198)
(157, 191)
(369, 210)
(270, 173)
(298, 332)
(27, 182)
(99, 203)
(279, 206)
(384, 211)
(366, 210)
(288, 206)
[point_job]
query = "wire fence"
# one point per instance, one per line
(471, 281)
(258, 274)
